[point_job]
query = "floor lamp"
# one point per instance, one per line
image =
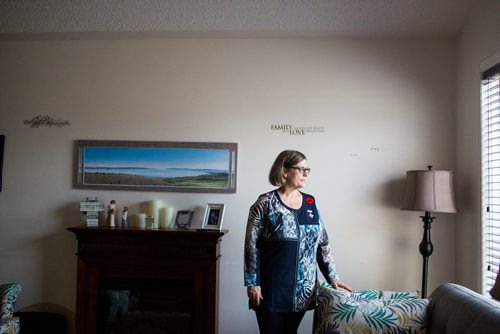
(429, 191)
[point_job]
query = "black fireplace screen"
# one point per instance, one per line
(135, 306)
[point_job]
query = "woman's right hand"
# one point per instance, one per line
(338, 284)
(254, 295)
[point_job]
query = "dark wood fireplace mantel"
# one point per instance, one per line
(162, 256)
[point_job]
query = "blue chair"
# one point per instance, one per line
(9, 324)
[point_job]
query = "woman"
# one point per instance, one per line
(285, 240)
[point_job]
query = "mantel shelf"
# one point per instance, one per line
(137, 230)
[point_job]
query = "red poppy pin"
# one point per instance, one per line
(309, 200)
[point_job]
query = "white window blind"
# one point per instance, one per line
(490, 128)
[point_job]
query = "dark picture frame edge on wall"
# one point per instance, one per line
(2, 144)
(199, 167)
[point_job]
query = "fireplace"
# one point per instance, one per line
(145, 306)
(147, 281)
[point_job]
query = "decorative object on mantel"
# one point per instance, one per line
(111, 213)
(2, 143)
(167, 217)
(40, 120)
(183, 218)
(141, 220)
(430, 191)
(156, 166)
(91, 208)
(150, 222)
(154, 211)
(214, 214)
(125, 217)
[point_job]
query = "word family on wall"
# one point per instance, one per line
(292, 130)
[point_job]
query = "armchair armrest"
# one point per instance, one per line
(10, 326)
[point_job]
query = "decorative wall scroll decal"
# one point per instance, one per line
(40, 120)
(293, 130)
(160, 166)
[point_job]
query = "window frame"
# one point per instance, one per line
(490, 174)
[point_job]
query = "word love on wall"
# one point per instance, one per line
(292, 130)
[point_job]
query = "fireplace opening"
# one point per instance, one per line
(137, 306)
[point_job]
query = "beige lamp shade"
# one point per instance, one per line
(429, 190)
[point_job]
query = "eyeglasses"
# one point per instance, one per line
(302, 170)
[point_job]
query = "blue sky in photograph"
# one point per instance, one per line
(156, 157)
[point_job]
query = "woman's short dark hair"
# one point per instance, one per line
(287, 158)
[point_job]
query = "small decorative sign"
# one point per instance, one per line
(292, 130)
(40, 120)
(91, 208)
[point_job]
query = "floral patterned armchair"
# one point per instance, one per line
(8, 295)
(369, 312)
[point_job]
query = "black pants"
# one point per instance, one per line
(279, 323)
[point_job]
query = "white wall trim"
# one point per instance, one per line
(489, 62)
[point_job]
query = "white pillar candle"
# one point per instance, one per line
(163, 217)
(141, 220)
(170, 218)
(154, 210)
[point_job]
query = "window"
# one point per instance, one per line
(490, 133)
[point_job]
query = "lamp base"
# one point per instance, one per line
(426, 249)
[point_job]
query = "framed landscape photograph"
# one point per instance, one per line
(214, 214)
(158, 166)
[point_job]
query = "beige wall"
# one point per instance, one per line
(385, 106)
(477, 45)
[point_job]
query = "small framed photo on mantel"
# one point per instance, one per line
(214, 214)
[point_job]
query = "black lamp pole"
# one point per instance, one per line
(426, 249)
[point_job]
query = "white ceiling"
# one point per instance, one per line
(288, 18)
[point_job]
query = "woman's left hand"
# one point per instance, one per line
(338, 284)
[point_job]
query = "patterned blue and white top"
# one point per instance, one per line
(282, 247)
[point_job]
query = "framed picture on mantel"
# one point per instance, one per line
(156, 166)
(214, 214)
